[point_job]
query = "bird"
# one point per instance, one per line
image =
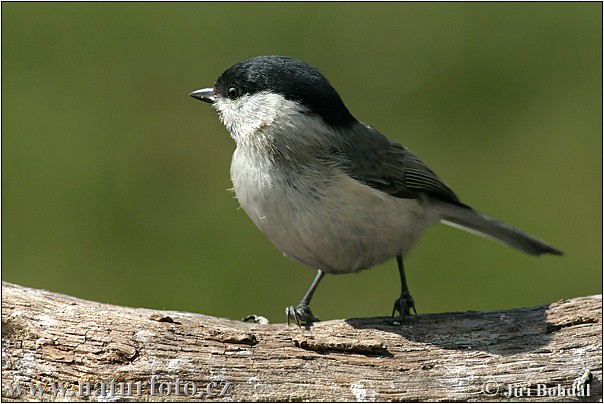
(329, 191)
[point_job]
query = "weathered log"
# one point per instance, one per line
(103, 352)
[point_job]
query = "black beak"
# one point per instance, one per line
(205, 94)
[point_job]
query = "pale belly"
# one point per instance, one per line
(335, 224)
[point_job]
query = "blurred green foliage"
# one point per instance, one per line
(114, 181)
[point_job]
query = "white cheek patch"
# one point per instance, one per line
(250, 113)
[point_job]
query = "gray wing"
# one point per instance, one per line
(380, 163)
(376, 161)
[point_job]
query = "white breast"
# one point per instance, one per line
(323, 218)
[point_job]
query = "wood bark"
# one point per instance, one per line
(102, 352)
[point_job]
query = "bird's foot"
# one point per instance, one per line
(301, 314)
(403, 305)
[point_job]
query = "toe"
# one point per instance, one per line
(301, 314)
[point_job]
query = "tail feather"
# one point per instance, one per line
(467, 219)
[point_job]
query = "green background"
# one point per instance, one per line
(114, 181)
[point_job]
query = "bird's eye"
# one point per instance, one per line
(233, 92)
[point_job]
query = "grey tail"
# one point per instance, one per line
(465, 218)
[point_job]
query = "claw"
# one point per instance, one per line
(403, 305)
(301, 314)
(290, 313)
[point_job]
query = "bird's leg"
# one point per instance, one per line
(301, 314)
(405, 303)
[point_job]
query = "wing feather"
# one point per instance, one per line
(390, 167)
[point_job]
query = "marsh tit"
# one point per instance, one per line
(329, 191)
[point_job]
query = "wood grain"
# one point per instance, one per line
(474, 356)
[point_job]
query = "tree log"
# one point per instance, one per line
(60, 347)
